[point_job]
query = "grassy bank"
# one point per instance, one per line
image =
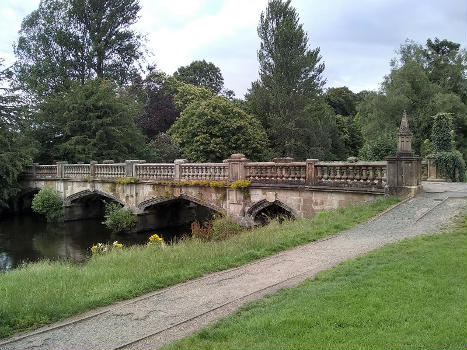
(408, 295)
(48, 291)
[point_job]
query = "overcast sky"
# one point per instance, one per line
(357, 37)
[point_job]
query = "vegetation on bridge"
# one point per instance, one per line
(47, 291)
(410, 294)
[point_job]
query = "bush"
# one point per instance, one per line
(451, 165)
(441, 133)
(48, 202)
(449, 161)
(117, 218)
(215, 230)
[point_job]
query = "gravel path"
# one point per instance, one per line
(157, 318)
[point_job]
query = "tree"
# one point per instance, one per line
(446, 65)
(290, 82)
(157, 100)
(66, 41)
(213, 129)
(16, 149)
(90, 122)
(342, 100)
(412, 85)
(202, 73)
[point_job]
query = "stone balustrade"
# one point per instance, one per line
(155, 171)
(283, 171)
(110, 171)
(352, 175)
(204, 171)
(276, 173)
(76, 171)
(45, 171)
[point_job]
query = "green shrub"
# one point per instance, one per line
(224, 227)
(215, 230)
(48, 202)
(117, 218)
(441, 133)
(451, 165)
(449, 161)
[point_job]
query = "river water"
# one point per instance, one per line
(29, 238)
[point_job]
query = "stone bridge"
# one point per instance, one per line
(249, 192)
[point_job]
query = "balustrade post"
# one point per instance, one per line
(177, 172)
(34, 170)
(130, 165)
(310, 171)
(92, 168)
(60, 171)
(237, 163)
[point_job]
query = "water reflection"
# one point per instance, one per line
(28, 238)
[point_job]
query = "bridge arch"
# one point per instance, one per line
(263, 211)
(86, 193)
(22, 201)
(87, 204)
(159, 200)
(180, 211)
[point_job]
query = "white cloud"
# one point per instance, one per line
(357, 38)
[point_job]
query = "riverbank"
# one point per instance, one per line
(44, 292)
(410, 294)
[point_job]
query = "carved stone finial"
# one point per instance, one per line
(404, 128)
(404, 138)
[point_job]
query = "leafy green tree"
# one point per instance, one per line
(350, 137)
(290, 83)
(186, 94)
(16, 148)
(162, 149)
(211, 130)
(342, 100)
(413, 86)
(202, 73)
(446, 65)
(90, 122)
(379, 148)
(66, 41)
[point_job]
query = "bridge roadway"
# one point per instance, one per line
(160, 317)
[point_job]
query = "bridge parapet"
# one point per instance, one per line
(351, 175)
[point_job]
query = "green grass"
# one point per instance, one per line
(407, 295)
(48, 291)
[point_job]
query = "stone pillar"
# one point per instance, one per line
(34, 170)
(310, 171)
(92, 168)
(130, 167)
(177, 172)
(404, 171)
(237, 163)
(60, 171)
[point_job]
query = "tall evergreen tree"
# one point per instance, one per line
(290, 86)
(90, 122)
